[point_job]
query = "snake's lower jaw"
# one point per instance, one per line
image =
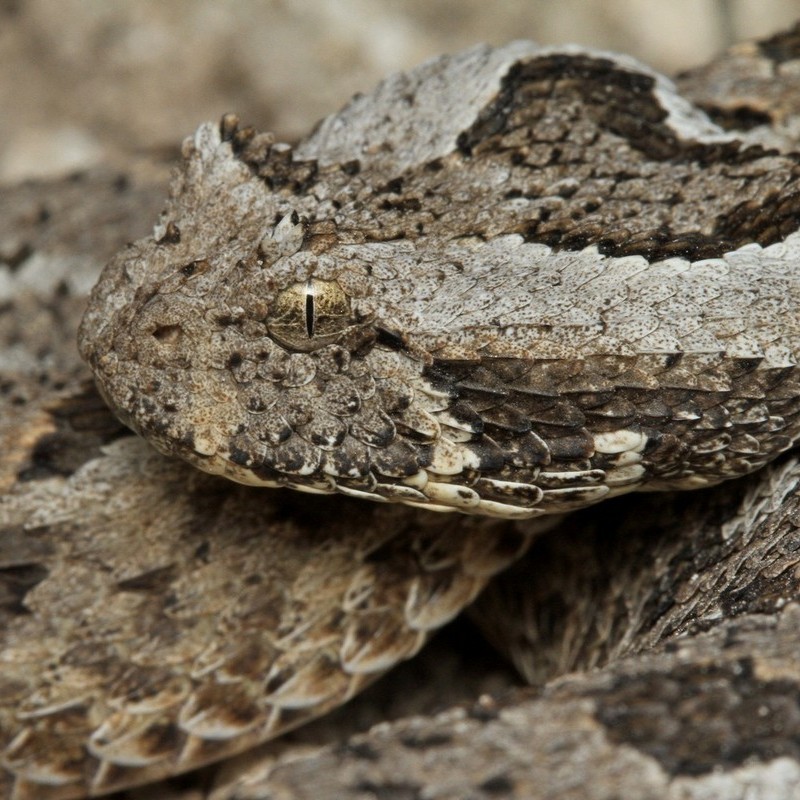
(469, 492)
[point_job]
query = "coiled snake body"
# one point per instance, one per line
(511, 283)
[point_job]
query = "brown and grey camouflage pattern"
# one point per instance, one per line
(511, 282)
(144, 605)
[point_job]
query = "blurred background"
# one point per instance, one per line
(84, 81)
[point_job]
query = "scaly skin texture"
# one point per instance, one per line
(154, 618)
(511, 282)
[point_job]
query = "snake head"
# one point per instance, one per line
(494, 299)
(250, 341)
(257, 339)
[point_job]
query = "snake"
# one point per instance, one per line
(360, 315)
(503, 286)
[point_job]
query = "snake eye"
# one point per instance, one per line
(310, 315)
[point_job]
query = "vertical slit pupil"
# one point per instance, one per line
(309, 310)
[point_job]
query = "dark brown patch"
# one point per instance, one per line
(783, 46)
(153, 581)
(497, 785)
(82, 424)
(15, 583)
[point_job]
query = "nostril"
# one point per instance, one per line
(168, 334)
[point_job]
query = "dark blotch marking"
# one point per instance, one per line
(415, 741)
(168, 334)
(784, 46)
(280, 172)
(154, 580)
(240, 457)
(389, 339)
(227, 321)
(16, 582)
(740, 118)
(351, 167)
(15, 258)
(403, 204)
(241, 138)
(172, 235)
(394, 186)
(623, 104)
(361, 750)
(82, 424)
(278, 679)
(497, 785)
